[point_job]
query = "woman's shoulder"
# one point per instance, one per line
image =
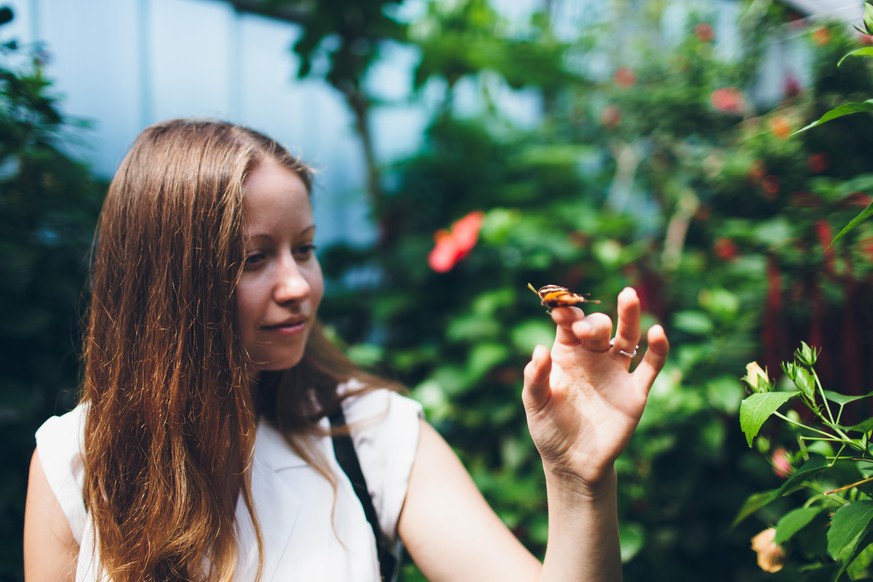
(71, 421)
(385, 427)
(368, 407)
(59, 445)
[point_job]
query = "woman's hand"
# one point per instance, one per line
(582, 401)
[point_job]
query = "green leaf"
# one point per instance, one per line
(724, 394)
(794, 521)
(814, 465)
(484, 357)
(694, 322)
(862, 216)
(632, 539)
(367, 355)
(757, 408)
(843, 399)
(848, 525)
(868, 18)
(866, 51)
(842, 110)
(806, 383)
(527, 334)
(758, 500)
(865, 426)
(753, 503)
(857, 567)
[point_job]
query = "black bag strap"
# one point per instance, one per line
(347, 457)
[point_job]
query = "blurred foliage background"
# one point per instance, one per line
(655, 163)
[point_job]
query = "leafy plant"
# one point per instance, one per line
(851, 108)
(830, 474)
(48, 208)
(660, 172)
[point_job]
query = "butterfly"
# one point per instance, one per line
(552, 296)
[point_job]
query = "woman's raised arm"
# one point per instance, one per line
(583, 404)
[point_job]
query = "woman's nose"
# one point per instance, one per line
(291, 285)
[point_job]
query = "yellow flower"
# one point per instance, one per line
(771, 556)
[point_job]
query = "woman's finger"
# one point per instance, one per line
(593, 332)
(627, 331)
(536, 392)
(564, 318)
(656, 356)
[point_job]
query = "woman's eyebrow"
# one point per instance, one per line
(268, 236)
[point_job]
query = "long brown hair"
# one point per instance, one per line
(171, 415)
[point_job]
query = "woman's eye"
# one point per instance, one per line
(305, 251)
(252, 261)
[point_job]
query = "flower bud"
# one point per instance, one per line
(806, 355)
(757, 378)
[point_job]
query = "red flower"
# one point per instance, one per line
(865, 39)
(610, 116)
(624, 77)
(791, 86)
(821, 36)
(780, 127)
(729, 100)
(726, 249)
(825, 235)
(452, 246)
(771, 186)
(817, 163)
(858, 199)
(704, 32)
(466, 230)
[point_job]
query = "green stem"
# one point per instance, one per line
(801, 425)
(821, 392)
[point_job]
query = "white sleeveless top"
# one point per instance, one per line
(292, 500)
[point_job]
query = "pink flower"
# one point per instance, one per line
(821, 36)
(455, 244)
(610, 116)
(625, 78)
(792, 86)
(729, 100)
(704, 32)
(781, 463)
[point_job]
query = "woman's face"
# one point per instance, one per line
(281, 285)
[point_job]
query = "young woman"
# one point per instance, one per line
(201, 448)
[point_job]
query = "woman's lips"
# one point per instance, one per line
(286, 327)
